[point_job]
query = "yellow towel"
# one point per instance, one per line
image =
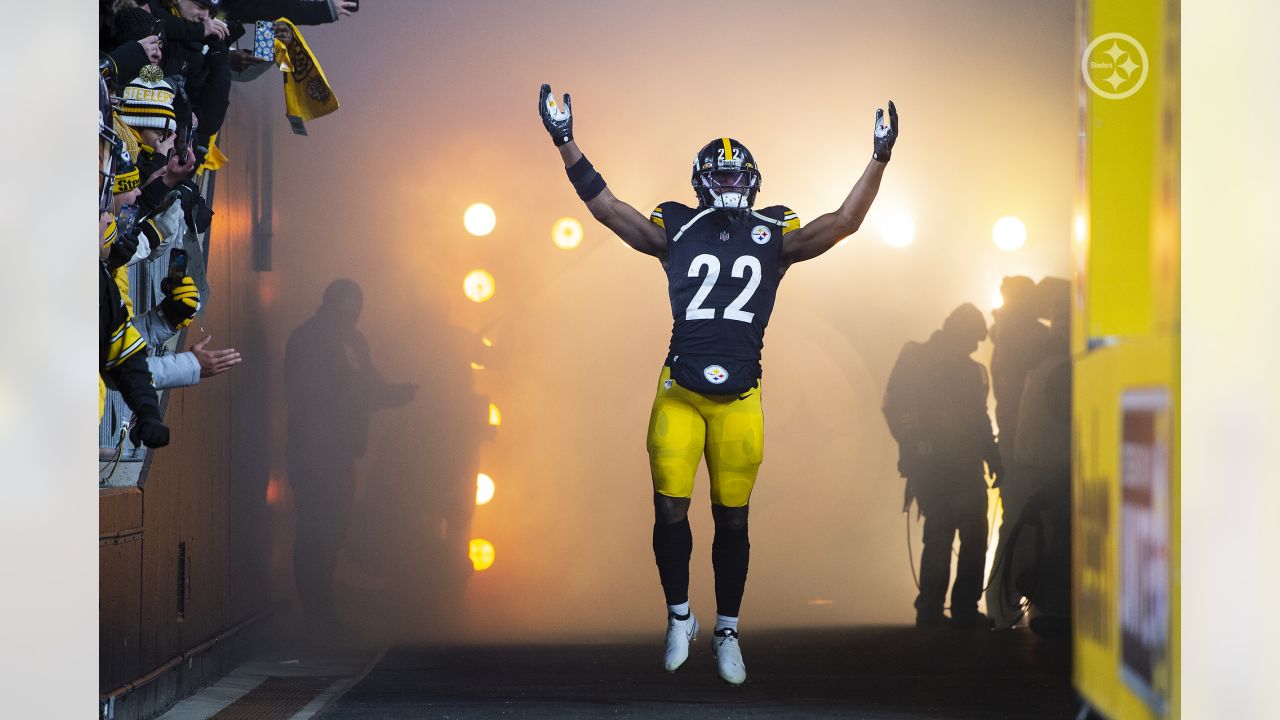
(214, 159)
(307, 94)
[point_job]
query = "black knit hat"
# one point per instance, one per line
(131, 23)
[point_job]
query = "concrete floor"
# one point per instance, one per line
(865, 672)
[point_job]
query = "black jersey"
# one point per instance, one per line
(723, 269)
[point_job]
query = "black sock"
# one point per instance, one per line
(672, 546)
(730, 554)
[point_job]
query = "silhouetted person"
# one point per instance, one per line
(936, 407)
(413, 525)
(332, 388)
(1019, 342)
(1044, 452)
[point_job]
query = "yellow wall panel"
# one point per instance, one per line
(1126, 335)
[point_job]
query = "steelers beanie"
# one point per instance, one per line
(148, 101)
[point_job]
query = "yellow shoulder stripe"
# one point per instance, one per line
(125, 341)
(790, 221)
(655, 217)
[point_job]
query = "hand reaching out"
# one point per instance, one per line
(402, 394)
(556, 118)
(214, 362)
(886, 134)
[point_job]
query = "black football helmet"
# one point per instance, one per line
(111, 151)
(725, 175)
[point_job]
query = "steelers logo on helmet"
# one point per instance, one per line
(725, 175)
(715, 374)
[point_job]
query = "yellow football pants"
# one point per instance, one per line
(728, 429)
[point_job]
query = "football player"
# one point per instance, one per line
(724, 259)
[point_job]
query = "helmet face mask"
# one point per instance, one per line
(109, 148)
(110, 155)
(725, 175)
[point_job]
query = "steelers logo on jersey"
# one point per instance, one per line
(715, 374)
(760, 234)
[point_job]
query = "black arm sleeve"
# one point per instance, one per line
(131, 375)
(215, 96)
(176, 28)
(300, 12)
(133, 380)
(153, 194)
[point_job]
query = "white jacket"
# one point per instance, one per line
(169, 370)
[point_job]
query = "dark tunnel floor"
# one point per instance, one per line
(867, 672)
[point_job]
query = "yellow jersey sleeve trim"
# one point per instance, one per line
(655, 217)
(790, 221)
(121, 276)
(125, 341)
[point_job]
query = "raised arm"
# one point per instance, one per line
(624, 220)
(826, 230)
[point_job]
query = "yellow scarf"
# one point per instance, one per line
(307, 94)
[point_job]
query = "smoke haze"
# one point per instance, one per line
(438, 112)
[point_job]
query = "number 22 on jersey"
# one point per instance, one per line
(695, 311)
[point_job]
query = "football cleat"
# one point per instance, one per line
(679, 634)
(724, 646)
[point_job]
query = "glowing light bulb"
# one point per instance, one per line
(1009, 233)
(495, 415)
(898, 229)
(484, 489)
(478, 285)
(479, 219)
(481, 554)
(566, 233)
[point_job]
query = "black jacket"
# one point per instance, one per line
(203, 62)
(121, 57)
(331, 389)
(936, 408)
(122, 353)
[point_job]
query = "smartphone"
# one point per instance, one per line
(182, 140)
(177, 265)
(127, 221)
(264, 40)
